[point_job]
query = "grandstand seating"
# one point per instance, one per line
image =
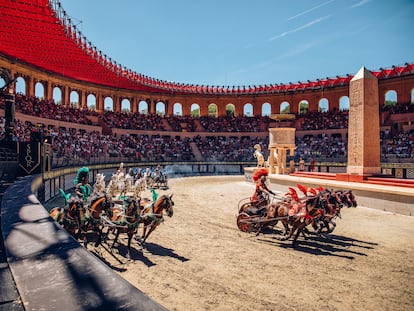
(73, 141)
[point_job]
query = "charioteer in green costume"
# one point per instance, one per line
(82, 187)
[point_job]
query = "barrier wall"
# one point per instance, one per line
(51, 269)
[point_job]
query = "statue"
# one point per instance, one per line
(259, 156)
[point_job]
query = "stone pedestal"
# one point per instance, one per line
(281, 139)
(363, 125)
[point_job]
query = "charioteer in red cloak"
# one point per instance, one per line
(260, 196)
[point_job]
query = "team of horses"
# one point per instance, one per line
(313, 213)
(107, 215)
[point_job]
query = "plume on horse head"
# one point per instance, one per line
(292, 192)
(314, 191)
(303, 188)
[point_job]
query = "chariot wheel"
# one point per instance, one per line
(242, 222)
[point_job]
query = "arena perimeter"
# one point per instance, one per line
(199, 260)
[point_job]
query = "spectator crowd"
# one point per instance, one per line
(70, 144)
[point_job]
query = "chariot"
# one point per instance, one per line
(318, 209)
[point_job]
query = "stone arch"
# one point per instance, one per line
(248, 110)
(344, 103)
(230, 110)
(21, 85)
(212, 110)
(266, 109)
(57, 95)
(285, 107)
(195, 110)
(91, 102)
(303, 106)
(323, 105)
(412, 96)
(143, 107)
(125, 105)
(39, 90)
(108, 104)
(160, 108)
(74, 99)
(391, 98)
(178, 109)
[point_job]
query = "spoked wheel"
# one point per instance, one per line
(243, 222)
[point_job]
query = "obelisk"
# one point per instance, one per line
(363, 125)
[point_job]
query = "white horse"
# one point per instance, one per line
(99, 186)
(139, 186)
(115, 186)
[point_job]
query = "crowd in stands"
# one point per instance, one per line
(221, 148)
(70, 143)
(336, 119)
(49, 110)
(234, 124)
(323, 147)
(137, 121)
(182, 123)
(400, 108)
(400, 146)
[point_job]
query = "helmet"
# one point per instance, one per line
(259, 173)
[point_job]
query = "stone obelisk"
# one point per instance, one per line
(363, 125)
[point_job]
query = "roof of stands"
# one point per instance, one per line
(39, 33)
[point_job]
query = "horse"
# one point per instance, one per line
(347, 198)
(139, 186)
(294, 215)
(99, 185)
(125, 221)
(97, 206)
(330, 208)
(152, 215)
(70, 217)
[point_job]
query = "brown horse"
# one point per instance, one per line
(330, 208)
(125, 221)
(97, 206)
(295, 215)
(152, 215)
(71, 217)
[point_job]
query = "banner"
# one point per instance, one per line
(29, 157)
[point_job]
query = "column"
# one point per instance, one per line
(363, 128)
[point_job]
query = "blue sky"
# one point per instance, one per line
(244, 42)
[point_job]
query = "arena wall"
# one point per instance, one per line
(50, 268)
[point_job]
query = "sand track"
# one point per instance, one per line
(199, 260)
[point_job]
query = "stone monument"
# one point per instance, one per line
(363, 125)
(281, 139)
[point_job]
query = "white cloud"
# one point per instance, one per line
(283, 34)
(360, 3)
(310, 10)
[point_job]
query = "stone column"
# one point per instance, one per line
(363, 126)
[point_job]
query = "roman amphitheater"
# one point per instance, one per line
(106, 117)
